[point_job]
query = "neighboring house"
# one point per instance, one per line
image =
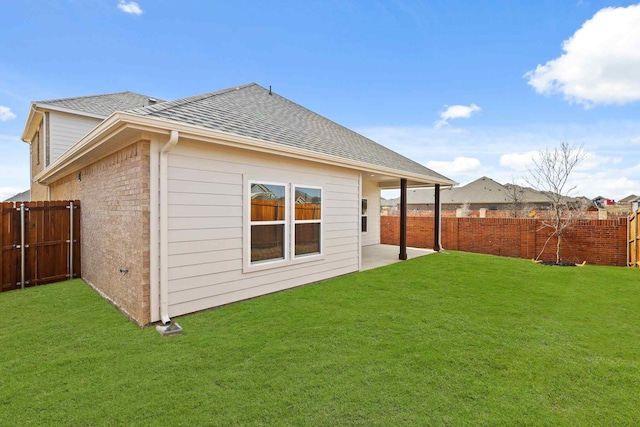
(54, 126)
(220, 197)
(483, 193)
(25, 196)
(630, 199)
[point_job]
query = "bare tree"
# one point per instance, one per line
(465, 210)
(515, 195)
(550, 175)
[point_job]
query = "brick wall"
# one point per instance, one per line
(600, 242)
(115, 226)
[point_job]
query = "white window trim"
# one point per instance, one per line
(266, 264)
(321, 221)
(289, 228)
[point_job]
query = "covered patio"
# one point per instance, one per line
(374, 256)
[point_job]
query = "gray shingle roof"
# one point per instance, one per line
(481, 191)
(251, 111)
(25, 196)
(103, 105)
(630, 198)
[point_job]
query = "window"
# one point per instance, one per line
(363, 223)
(284, 224)
(268, 220)
(307, 220)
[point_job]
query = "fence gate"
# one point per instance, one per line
(634, 240)
(39, 243)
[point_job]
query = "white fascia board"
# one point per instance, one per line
(93, 139)
(120, 120)
(234, 140)
(27, 134)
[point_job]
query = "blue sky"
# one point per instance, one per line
(466, 88)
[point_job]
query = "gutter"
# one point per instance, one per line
(167, 327)
(121, 120)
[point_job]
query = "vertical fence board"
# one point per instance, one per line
(47, 245)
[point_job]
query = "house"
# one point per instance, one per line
(207, 200)
(55, 125)
(483, 193)
(630, 199)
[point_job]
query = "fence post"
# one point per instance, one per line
(22, 248)
(71, 239)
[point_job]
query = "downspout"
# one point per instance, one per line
(164, 228)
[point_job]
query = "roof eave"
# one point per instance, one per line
(64, 164)
(121, 120)
(30, 126)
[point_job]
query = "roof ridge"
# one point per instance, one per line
(187, 100)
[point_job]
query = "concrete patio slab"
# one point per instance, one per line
(374, 256)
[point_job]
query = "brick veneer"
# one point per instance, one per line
(595, 241)
(115, 226)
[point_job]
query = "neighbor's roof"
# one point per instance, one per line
(481, 191)
(25, 196)
(253, 111)
(102, 105)
(630, 198)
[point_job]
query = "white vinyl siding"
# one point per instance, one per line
(207, 227)
(67, 129)
(371, 192)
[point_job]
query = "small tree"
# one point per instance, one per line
(465, 210)
(550, 175)
(515, 195)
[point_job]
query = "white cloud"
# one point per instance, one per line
(131, 7)
(600, 63)
(635, 140)
(6, 192)
(504, 153)
(14, 166)
(6, 114)
(456, 112)
(520, 162)
(459, 166)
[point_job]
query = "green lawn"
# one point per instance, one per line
(448, 339)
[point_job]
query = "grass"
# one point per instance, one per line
(457, 339)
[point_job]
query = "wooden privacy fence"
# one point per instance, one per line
(634, 240)
(39, 243)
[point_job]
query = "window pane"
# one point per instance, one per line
(307, 238)
(267, 242)
(267, 202)
(364, 206)
(308, 203)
